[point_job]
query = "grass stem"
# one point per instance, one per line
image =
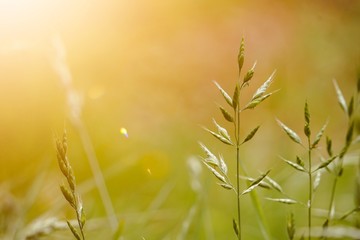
(237, 133)
(310, 188)
(98, 176)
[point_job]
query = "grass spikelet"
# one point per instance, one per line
(261, 90)
(251, 134)
(291, 227)
(283, 200)
(337, 170)
(70, 193)
(255, 183)
(293, 135)
(212, 162)
(226, 114)
(296, 166)
(226, 96)
(340, 97)
(319, 135)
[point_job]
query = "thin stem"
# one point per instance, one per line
(74, 105)
(310, 189)
(238, 190)
(333, 190)
(98, 176)
(332, 197)
(237, 129)
(80, 225)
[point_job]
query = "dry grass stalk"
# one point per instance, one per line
(69, 192)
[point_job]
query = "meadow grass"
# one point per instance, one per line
(217, 165)
(69, 192)
(311, 163)
(332, 164)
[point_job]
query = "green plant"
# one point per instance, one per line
(69, 192)
(333, 163)
(216, 164)
(308, 169)
(337, 169)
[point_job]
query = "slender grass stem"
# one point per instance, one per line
(310, 189)
(238, 190)
(333, 190)
(237, 129)
(74, 105)
(98, 177)
(332, 197)
(78, 217)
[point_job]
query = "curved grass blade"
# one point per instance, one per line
(283, 200)
(307, 113)
(291, 227)
(249, 75)
(224, 94)
(274, 184)
(262, 89)
(329, 146)
(307, 129)
(223, 166)
(252, 104)
(210, 157)
(293, 136)
(325, 164)
(216, 173)
(73, 230)
(235, 99)
(222, 131)
(317, 181)
(349, 134)
(300, 161)
(68, 196)
(255, 183)
(351, 107)
(219, 137)
(226, 186)
(226, 114)
(241, 55)
(340, 97)
(294, 165)
(251, 134)
(82, 217)
(319, 135)
(236, 227)
(262, 184)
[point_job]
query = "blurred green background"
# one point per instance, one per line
(148, 66)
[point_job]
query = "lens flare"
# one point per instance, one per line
(124, 132)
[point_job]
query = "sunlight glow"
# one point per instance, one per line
(124, 132)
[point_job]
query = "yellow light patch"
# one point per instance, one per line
(124, 132)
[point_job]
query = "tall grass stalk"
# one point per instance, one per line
(70, 192)
(349, 109)
(237, 129)
(74, 105)
(307, 132)
(217, 165)
(309, 170)
(310, 187)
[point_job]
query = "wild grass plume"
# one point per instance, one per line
(304, 166)
(350, 110)
(69, 190)
(216, 164)
(333, 164)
